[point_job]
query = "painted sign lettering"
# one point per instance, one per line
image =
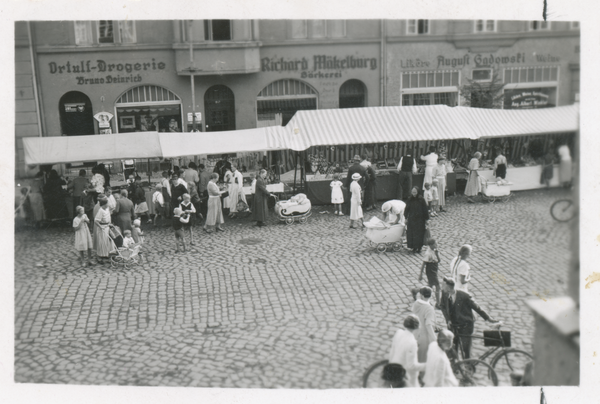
(321, 65)
(101, 66)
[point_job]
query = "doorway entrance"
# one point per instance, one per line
(219, 104)
(76, 115)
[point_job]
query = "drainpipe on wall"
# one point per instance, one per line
(383, 64)
(34, 81)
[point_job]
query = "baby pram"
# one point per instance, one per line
(120, 255)
(297, 207)
(384, 236)
(495, 190)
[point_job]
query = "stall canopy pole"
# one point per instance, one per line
(295, 171)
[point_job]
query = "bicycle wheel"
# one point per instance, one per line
(510, 361)
(563, 210)
(372, 376)
(474, 373)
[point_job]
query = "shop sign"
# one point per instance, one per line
(321, 66)
(190, 116)
(479, 60)
(103, 119)
(525, 99)
(101, 66)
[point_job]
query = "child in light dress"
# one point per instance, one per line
(337, 196)
(137, 233)
(179, 219)
(83, 237)
(435, 199)
(430, 264)
(428, 195)
(128, 241)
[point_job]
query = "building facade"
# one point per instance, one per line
(94, 77)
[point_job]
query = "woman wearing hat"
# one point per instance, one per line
(101, 227)
(356, 212)
(394, 207)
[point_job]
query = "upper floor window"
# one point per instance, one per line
(302, 29)
(574, 24)
(107, 31)
(539, 25)
(485, 25)
(217, 30)
(418, 27)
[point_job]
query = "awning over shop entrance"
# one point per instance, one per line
(422, 123)
(68, 149)
(248, 140)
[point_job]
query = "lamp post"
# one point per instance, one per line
(192, 70)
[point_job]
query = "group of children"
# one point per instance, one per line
(432, 197)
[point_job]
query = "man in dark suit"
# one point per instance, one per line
(457, 307)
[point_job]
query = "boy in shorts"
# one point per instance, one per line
(430, 264)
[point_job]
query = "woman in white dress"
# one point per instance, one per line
(473, 186)
(228, 181)
(102, 243)
(214, 216)
(430, 163)
(394, 207)
(356, 212)
(439, 173)
(236, 191)
(565, 172)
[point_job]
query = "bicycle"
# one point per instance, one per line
(563, 210)
(501, 370)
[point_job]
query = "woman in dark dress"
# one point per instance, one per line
(124, 211)
(261, 197)
(417, 215)
(54, 197)
(370, 188)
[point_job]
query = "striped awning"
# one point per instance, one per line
(248, 140)
(422, 123)
(68, 149)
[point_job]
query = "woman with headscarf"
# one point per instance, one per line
(102, 243)
(124, 211)
(54, 197)
(214, 216)
(417, 215)
(430, 163)
(473, 187)
(394, 207)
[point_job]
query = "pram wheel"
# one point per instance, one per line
(289, 221)
(381, 248)
(116, 260)
(397, 246)
(303, 220)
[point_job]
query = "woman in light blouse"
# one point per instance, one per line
(214, 216)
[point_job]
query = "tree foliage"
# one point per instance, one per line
(478, 94)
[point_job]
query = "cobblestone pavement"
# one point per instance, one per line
(302, 306)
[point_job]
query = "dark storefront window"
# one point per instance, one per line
(353, 94)
(105, 31)
(148, 108)
(279, 101)
(76, 115)
(219, 104)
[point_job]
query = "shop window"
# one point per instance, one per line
(446, 98)
(148, 108)
(485, 25)
(105, 31)
(418, 27)
(217, 30)
(280, 100)
(539, 25)
(76, 115)
(219, 104)
(429, 79)
(482, 75)
(530, 74)
(83, 32)
(353, 94)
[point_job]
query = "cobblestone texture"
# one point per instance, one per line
(311, 306)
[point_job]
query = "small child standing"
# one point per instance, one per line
(435, 199)
(337, 196)
(128, 241)
(431, 262)
(428, 195)
(137, 233)
(83, 238)
(188, 208)
(179, 219)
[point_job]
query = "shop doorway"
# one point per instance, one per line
(76, 115)
(353, 94)
(219, 104)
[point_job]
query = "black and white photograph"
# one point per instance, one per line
(357, 206)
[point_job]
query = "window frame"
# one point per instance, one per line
(415, 25)
(114, 33)
(87, 25)
(484, 25)
(208, 28)
(93, 31)
(489, 69)
(531, 28)
(327, 29)
(575, 25)
(304, 26)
